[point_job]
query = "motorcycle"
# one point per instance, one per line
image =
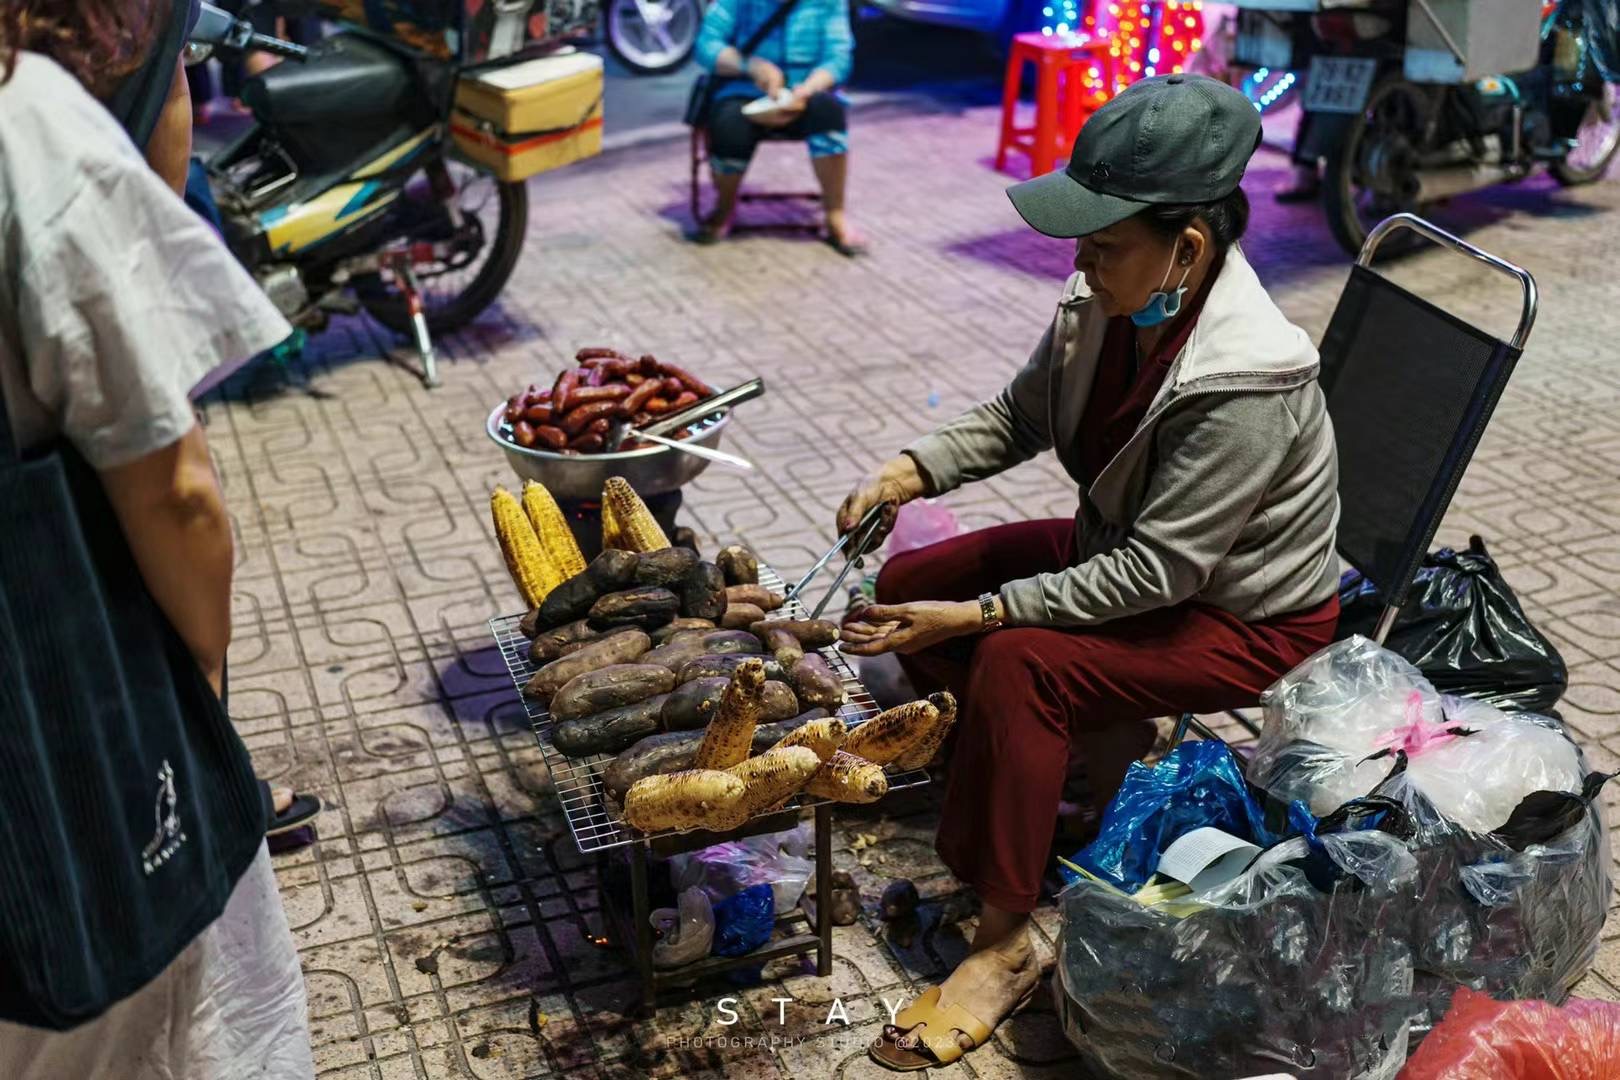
(1391, 144)
(346, 191)
(651, 37)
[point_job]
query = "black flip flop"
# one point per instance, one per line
(848, 249)
(299, 813)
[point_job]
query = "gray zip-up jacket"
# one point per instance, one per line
(1227, 493)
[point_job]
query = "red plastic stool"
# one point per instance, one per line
(1061, 104)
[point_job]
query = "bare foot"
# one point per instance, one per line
(714, 228)
(843, 235)
(991, 982)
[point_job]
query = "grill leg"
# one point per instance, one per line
(640, 912)
(824, 951)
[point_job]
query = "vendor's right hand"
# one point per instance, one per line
(767, 76)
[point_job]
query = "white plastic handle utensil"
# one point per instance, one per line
(696, 451)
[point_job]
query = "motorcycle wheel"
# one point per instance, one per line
(454, 296)
(1366, 171)
(1596, 142)
(651, 37)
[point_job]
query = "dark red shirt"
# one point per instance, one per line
(1123, 389)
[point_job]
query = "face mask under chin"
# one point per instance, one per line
(1163, 306)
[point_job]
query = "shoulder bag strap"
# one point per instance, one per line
(757, 38)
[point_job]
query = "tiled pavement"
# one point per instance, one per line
(443, 915)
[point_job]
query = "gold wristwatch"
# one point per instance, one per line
(987, 612)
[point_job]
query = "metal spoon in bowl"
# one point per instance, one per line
(686, 448)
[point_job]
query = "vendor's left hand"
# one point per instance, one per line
(907, 628)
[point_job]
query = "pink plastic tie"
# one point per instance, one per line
(1417, 734)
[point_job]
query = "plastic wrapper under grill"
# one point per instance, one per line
(1266, 974)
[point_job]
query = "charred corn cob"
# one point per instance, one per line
(637, 529)
(730, 734)
(774, 776)
(891, 733)
(692, 799)
(525, 558)
(612, 535)
(850, 779)
(824, 736)
(562, 550)
(923, 750)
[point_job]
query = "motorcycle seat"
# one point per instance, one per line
(347, 77)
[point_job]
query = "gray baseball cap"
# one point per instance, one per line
(1168, 139)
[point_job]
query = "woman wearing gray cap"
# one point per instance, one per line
(1200, 565)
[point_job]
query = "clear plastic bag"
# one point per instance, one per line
(685, 933)
(1265, 970)
(1334, 724)
(781, 860)
(1485, 1039)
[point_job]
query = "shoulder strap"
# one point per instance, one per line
(757, 38)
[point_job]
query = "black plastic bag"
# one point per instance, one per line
(1464, 630)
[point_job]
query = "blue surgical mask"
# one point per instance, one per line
(1163, 306)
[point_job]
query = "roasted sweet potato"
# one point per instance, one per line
(740, 616)
(781, 644)
(549, 644)
(815, 683)
(730, 734)
(664, 634)
(609, 688)
(622, 647)
(703, 596)
(710, 666)
(892, 732)
(672, 751)
(569, 601)
(676, 655)
(669, 567)
(739, 565)
(758, 595)
(607, 732)
(812, 633)
(613, 570)
(726, 642)
(692, 704)
(693, 799)
(646, 607)
(529, 625)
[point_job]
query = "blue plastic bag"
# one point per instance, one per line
(743, 923)
(1194, 785)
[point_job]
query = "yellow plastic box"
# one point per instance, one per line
(527, 118)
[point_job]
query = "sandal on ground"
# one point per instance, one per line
(300, 812)
(937, 1045)
(711, 230)
(849, 249)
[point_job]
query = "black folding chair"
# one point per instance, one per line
(1410, 389)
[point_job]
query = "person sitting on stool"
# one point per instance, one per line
(810, 54)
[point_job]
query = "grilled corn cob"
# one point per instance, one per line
(773, 777)
(612, 535)
(891, 733)
(525, 558)
(824, 736)
(562, 550)
(847, 778)
(730, 734)
(921, 752)
(636, 528)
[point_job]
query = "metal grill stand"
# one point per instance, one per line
(598, 830)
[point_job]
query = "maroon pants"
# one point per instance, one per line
(1028, 693)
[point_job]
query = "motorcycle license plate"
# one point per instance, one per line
(1339, 84)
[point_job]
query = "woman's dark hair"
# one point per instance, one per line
(99, 42)
(1227, 218)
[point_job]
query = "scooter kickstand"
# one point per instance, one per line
(412, 292)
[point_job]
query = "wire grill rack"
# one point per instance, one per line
(578, 781)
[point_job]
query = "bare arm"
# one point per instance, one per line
(169, 150)
(172, 512)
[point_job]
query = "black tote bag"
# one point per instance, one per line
(129, 804)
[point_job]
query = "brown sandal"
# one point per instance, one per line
(933, 1052)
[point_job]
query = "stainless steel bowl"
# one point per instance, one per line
(651, 470)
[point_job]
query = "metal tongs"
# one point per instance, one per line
(659, 430)
(859, 541)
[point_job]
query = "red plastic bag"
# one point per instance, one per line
(1484, 1039)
